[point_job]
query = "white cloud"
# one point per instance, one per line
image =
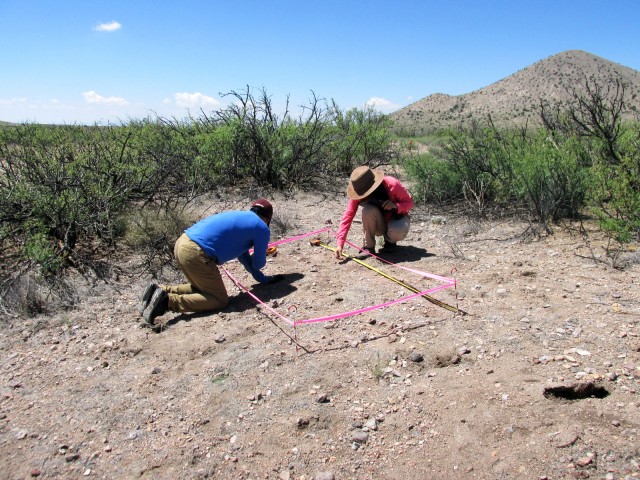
(108, 27)
(93, 97)
(381, 104)
(12, 101)
(195, 100)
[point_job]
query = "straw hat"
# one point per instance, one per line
(363, 181)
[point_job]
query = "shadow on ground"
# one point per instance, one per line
(242, 301)
(406, 253)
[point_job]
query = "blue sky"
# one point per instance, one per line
(99, 61)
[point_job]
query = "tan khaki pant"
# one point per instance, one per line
(373, 224)
(205, 290)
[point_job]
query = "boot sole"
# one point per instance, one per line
(146, 297)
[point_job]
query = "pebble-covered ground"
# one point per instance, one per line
(540, 380)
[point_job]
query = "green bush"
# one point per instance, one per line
(433, 179)
(615, 189)
(504, 169)
(64, 187)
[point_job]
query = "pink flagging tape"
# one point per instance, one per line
(297, 237)
(337, 315)
(417, 272)
(374, 307)
(275, 312)
(448, 283)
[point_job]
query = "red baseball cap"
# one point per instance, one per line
(262, 207)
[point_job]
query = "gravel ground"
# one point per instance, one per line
(539, 379)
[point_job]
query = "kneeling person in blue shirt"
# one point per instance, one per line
(201, 248)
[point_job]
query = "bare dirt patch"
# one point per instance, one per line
(409, 391)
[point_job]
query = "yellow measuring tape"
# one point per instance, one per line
(435, 301)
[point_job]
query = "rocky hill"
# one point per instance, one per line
(514, 100)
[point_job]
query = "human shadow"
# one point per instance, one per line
(240, 302)
(266, 293)
(405, 253)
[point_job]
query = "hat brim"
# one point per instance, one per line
(378, 176)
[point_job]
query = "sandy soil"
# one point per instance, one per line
(409, 391)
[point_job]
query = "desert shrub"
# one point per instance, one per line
(247, 139)
(361, 137)
(548, 179)
(180, 162)
(503, 169)
(615, 189)
(65, 187)
(152, 232)
(433, 179)
(609, 149)
(275, 150)
(61, 184)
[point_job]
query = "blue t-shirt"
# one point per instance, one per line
(228, 235)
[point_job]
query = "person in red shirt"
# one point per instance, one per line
(385, 209)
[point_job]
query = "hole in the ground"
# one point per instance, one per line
(576, 391)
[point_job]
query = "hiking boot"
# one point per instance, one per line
(158, 305)
(146, 297)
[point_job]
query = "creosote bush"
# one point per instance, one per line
(584, 160)
(66, 188)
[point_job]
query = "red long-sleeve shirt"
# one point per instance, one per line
(397, 194)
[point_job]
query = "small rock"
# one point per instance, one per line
(35, 472)
(371, 424)
(416, 357)
(324, 398)
(360, 437)
(155, 371)
(219, 339)
(585, 461)
(324, 476)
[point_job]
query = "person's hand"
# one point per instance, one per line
(338, 252)
(389, 205)
(275, 279)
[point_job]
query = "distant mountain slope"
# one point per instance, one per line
(514, 100)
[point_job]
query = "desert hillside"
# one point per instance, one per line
(514, 100)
